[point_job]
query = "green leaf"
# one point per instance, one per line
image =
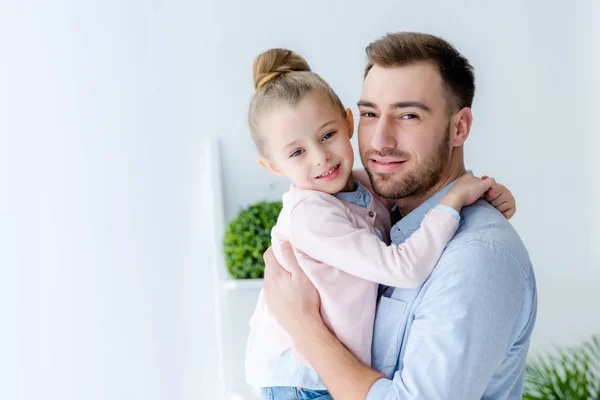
(567, 373)
(247, 237)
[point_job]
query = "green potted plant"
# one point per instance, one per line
(568, 373)
(247, 237)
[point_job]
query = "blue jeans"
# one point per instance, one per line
(293, 393)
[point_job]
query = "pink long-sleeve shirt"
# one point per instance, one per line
(336, 245)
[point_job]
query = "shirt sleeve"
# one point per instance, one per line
(463, 329)
(324, 231)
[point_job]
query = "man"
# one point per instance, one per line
(464, 334)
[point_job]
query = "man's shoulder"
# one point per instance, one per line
(486, 266)
(486, 238)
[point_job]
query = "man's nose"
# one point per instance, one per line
(384, 137)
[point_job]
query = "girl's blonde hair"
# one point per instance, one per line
(280, 75)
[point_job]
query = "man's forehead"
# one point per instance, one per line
(420, 79)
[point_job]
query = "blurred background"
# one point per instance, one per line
(114, 201)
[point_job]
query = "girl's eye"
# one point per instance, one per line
(296, 153)
(328, 135)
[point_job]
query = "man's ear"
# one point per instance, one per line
(269, 166)
(350, 120)
(462, 122)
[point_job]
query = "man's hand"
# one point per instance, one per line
(290, 296)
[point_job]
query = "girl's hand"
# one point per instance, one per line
(467, 190)
(501, 198)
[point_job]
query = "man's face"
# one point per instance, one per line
(404, 129)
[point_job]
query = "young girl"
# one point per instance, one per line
(336, 226)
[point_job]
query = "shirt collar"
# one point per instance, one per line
(359, 196)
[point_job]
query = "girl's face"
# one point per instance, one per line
(310, 144)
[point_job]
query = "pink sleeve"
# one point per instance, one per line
(322, 230)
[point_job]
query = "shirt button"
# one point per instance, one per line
(371, 213)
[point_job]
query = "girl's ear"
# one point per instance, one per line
(269, 166)
(350, 120)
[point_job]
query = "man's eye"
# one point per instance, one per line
(328, 135)
(368, 114)
(409, 116)
(296, 153)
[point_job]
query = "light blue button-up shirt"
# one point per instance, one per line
(464, 334)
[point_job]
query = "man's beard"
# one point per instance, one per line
(417, 182)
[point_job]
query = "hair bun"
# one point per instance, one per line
(273, 63)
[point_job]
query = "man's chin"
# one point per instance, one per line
(392, 186)
(387, 189)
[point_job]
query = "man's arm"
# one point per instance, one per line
(344, 375)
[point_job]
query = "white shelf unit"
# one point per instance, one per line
(234, 299)
(242, 284)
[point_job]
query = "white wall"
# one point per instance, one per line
(105, 291)
(593, 150)
(103, 106)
